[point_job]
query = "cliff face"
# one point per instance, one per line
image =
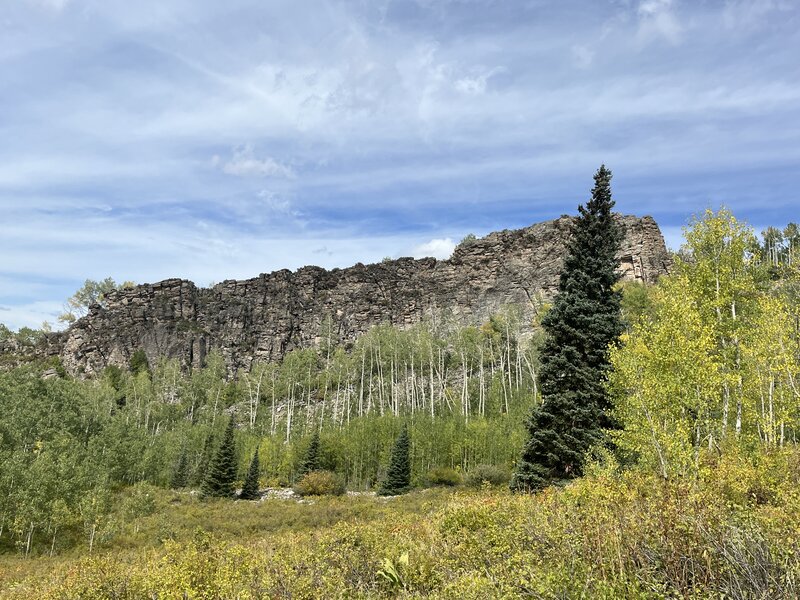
(264, 317)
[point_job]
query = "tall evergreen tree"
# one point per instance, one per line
(180, 478)
(222, 472)
(398, 477)
(312, 459)
(584, 320)
(250, 487)
(199, 476)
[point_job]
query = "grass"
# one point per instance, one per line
(732, 531)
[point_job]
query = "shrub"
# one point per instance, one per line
(443, 476)
(320, 483)
(491, 474)
(468, 240)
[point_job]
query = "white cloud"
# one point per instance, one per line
(657, 19)
(476, 84)
(244, 163)
(440, 248)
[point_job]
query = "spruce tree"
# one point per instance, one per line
(222, 472)
(206, 455)
(180, 478)
(250, 487)
(398, 477)
(583, 321)
(311, 462)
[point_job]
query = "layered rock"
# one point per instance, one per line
(265, 317)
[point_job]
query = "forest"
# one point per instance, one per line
(695, 491)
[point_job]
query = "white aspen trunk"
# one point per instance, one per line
(431, 379)
(289, 411)
(361, 389)
(216, 401)
(392, 389)
(28, 543)
(481, 398)
(381, 382)
(336, 400)
(726, 395)
(463, 384)
(771, 411)
(509, 362)
(413, 386)
(369, 390)
(273, 409)
(763, 435)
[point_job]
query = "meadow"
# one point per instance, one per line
(731, 532)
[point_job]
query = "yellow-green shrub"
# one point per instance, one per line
(320, 483)
(443, 476)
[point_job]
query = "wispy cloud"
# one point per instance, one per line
(658, 19)
(244, 163)
(194, 139)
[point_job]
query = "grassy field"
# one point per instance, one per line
(734, 532)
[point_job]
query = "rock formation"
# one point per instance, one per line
(265, 317)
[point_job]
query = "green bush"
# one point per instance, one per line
(443, 476)
(320, 483)
(491, 474)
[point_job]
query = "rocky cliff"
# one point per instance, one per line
(264, 317)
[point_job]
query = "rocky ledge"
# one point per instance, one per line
(265, 317)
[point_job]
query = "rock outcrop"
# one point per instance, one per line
(265, 317)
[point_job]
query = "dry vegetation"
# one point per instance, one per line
(732, 532)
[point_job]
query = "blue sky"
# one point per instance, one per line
(214, 140)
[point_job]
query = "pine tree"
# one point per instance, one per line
(206, 455)
(180, 478)
(584, 320)
(250, 487)
(398, 477)
(312, 459)
(222, 473)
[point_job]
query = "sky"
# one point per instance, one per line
(218, 140)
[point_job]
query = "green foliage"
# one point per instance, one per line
(398, 476)
(717, 364)
(468, 240)
(311, 462)
(250, 488)
(139, 363)
(730, 533)
(222, 472)
(320, 483)
(180, 477)
(443, 476)
(488, 474)
(92, 292)
(637, 302)
(391, 570)
(583, 322)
